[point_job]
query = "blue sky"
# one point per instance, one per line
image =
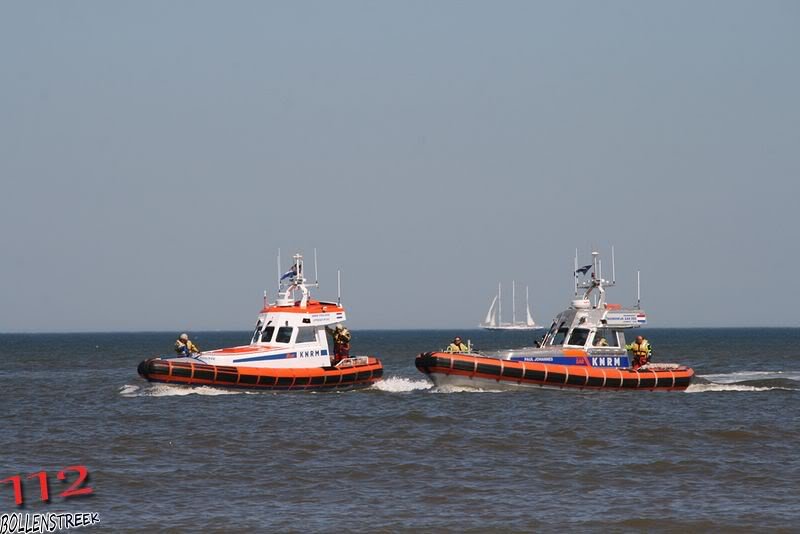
(154, 156)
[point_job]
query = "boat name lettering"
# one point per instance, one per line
(321, 317)
(532, 359)
(599, 361)
(622, 317)
(309, 353)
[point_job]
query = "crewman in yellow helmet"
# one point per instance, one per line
(341, 342)
(641, 352)
(185, 347)
(457, 346)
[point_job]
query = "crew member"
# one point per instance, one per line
(341, 342)
(185, 347)
(600, 341)
(641, 351)
(457, 346)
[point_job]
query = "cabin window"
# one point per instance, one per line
(284, 334)
(306, 335)
(607, 335)
(578, 337)
(266, 335)
(256, 333)
(560, 336)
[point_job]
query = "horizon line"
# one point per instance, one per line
(407, 329)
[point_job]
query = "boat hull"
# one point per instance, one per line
(358, 375)
(478, 371)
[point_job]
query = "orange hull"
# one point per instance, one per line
(298, 378)
(442, 364)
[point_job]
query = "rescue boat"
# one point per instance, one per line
(583, 349)
(287, 351)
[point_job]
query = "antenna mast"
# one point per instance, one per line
(638, 292)
(338, 287)
(279, 270)
(575, 272)
(613, 267)
(316, 276)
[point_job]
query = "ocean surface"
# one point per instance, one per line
(403, 456)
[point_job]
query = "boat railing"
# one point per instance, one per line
(352, 362)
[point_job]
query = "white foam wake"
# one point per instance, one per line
(706, 388)
(451, 388)
(741, 376)
(169, 390)
(396, 384)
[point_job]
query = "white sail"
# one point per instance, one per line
(490, 316)
(529, 320)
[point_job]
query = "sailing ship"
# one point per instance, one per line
(494, 317)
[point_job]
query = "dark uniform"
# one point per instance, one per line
(341, 342)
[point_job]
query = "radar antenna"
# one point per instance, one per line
(596, 281)
(294, 280)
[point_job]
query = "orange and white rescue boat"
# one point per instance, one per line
(584, 349)
(288, 350)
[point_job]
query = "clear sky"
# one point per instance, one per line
(155, 155)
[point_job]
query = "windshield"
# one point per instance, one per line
(266, 336)
(558, 339)
(605, 337)
(578, 337)
(306, 335)
(256, 333)
(284, 334)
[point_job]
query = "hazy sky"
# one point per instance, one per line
(155, 155)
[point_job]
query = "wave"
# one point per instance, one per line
(746, 381)
(396, 384)
(711, 387)
(169, 390)
(744, 376)
(465, 389)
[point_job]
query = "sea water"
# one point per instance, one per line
(403, 455)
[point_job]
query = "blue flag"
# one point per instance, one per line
(290, 272)
(584, 269)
